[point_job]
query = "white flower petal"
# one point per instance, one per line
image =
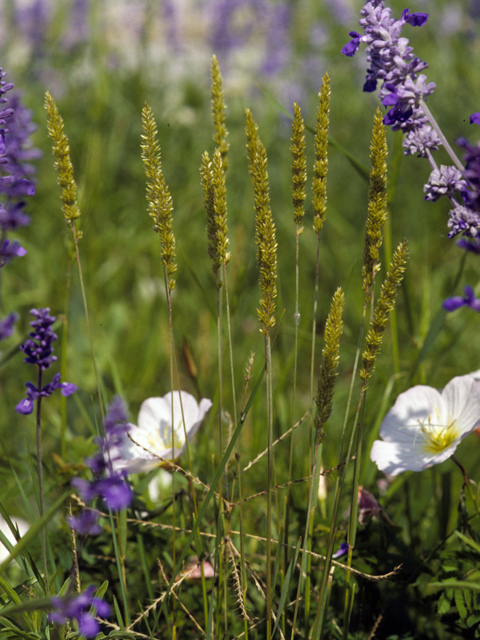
(412, 406)
(425, 426)
(22, 527)
(151, 441)
(462, 394)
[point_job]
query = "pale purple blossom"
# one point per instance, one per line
(444, 181)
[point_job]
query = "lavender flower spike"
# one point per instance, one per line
(109, 484)
(469, 300)
(39, 350)
(392, 62)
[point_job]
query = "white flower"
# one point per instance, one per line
(144, 445)
(425, 426)
(22, 527)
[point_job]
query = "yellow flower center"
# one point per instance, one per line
(438, 437)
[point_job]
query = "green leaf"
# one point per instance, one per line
(460, 603)
(286, 585)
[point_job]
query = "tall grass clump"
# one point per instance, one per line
(263, 432)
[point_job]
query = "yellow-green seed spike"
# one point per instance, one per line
(319, 184)
(63, 163)
(208, 203)
(383, 309)
(160, 205)
(377, 202)
(218, 112)
(251, 129)
(265, 234)
(299, 165)
(331, 357)
(220, 205)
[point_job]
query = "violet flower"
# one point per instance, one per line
(69, 608)
(392, 62)
(86, 523)
(109, 483)
(469, 300)
(16, 155)
(404, 90)
(38, 349)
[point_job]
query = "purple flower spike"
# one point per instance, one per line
(39, 348)
(475, 118)
(392, 62)
(75, 608)
(109, 484)
(39, 351)
(469, 300)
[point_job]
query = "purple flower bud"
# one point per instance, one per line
(475, 118)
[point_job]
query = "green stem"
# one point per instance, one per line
(41, 498)
(268, 364)
(444, 141)
(89, 330)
